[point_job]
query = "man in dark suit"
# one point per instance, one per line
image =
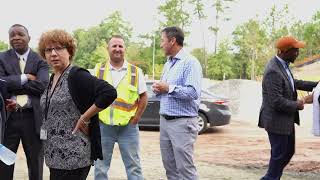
(26, 74)
(2, 116)
(280, 106)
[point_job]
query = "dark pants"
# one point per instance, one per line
(76, 174)
(20, 126)
(282, 150)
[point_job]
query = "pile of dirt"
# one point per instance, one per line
(246, 98)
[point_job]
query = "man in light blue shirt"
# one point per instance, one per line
(179, 92)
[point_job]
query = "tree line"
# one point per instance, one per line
(243, 55)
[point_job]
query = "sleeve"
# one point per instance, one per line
(142, 86)
(305, 85)
(14, 81)
(103, 93)
(38, 86)
(192, 87)
(24, 79)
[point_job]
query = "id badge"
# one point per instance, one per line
(43, 134)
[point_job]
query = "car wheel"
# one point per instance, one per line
(202, 123)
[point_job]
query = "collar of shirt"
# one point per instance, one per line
(24, 56)
(178, 56)
(124, 67)
(172, 60)
(283, 62)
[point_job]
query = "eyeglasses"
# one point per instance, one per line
(57, 49)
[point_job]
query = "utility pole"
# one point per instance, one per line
(153, 55)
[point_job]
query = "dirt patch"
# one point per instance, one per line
(243, 144)
(237, 151)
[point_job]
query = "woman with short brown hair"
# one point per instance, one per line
(70, 105)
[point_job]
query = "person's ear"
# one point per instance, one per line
(173, 40)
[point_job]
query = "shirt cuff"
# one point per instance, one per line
(24, 79)
(171, 88)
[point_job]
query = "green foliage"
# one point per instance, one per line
(91, 42)
(250, 40)
(310, 33)
(220, 64)
(277, 23)
(200, 55)
(158, 70)
(198, 8)
(144, 51)
(220, 8)
(175, 14)
(244, 56)
(3, 46)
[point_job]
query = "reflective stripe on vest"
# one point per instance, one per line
(125, 106)
(121, 104)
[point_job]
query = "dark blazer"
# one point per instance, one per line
(3, 118)
(86, 90)
(10, 71)
(279, 110)
(3, 115)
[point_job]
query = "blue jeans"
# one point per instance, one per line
(128, 141)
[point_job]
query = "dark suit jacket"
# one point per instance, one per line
(2, 118)
(3, 115)
(279, 110)
(10, 71)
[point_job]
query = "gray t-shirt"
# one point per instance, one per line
(62, 149)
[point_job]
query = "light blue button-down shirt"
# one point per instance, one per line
(286, 67)
(183, 73)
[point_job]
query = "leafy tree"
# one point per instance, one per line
(90, 42)
(199, 54)
(175, 14)
(199, 12)
(310, 33)
(250, 40)
(277, 23)
(149, 43)
(220, 63)
(3, 46)
(220, 7)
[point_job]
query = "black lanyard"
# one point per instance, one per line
(46, 109)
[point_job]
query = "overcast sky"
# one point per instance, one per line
(41, 15)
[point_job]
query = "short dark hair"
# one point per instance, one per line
(19, 25)
(174, 32)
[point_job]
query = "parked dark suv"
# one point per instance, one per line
(213, 110)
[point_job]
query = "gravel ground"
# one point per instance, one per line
(236, 151)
